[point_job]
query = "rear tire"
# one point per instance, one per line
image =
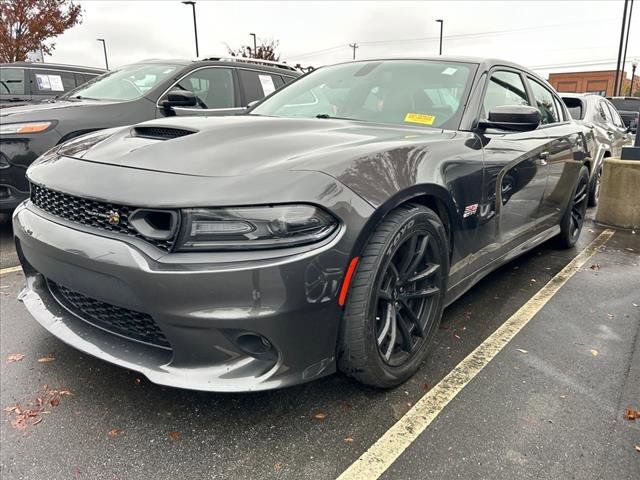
(594, 188)
(573, 219)
(396, 298)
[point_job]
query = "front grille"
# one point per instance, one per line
(127, 323)
(91, 213)
(161, 133)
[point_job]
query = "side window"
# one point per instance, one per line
(288, 79)
(213, 87)
(12, 81)
(504, 88)
(617, 121)
(257, 85)
(52, 82)
(559, 109)
(604, 112)
(544, 102)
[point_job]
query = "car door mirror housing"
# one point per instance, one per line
(180, 98)
(518, 118)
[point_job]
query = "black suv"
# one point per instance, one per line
(129, 95)
(25, 82)
(629, 110)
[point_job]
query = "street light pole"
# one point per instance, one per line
(195, 24)
(104, 47)
(354, 45)
(255, 44)
(441, 22)
(619, 63)
(634, 65)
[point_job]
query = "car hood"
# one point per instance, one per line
(251, 144)
(54, 110)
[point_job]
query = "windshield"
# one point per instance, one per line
(127, 83)
(406, 92)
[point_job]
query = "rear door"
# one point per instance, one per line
(619, 136)
(215, 88)
(515, 172)
(563, 154)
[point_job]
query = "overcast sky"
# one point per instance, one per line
(543, 35)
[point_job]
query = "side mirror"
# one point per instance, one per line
(517, 118)
(180, 98)
(250, 105)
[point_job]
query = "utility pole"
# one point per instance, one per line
(255, 44)
(195, 25)
(441, 22)
(354, 45)
(624, 21)
(626, 43)
(104, 47)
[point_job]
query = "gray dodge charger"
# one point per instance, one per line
(325, 229)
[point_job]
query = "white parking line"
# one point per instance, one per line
(381, 455)
(10, 270)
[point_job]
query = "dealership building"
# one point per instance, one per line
(601, 82)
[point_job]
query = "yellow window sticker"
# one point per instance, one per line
(420, 118)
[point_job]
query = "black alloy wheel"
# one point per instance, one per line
(407, 295)
(573, 219)
(594, 190)
(395, 302)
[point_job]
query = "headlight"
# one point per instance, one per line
(25, 127)
(74, 146)
(245, 228)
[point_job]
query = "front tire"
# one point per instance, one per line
(396, 298)
(573, 219)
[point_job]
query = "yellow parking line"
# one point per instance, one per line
(390, 446)
(10, 270)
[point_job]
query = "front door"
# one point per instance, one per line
(515, 172)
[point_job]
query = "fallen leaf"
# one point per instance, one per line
(175, 436)
(595, 266)
(635, 305)
(637, 448)
(115, 432)
(533, 280)
(55, 401)
(522, 350)
(65, 392)
(426, 387)
(15, 357)
(320, 416)
(631, 413)
(610, 315)
(348, 439)
(278, 466)
(594, 352)
(46, 359)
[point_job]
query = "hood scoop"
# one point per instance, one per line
(160, 133)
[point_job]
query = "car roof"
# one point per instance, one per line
(275, 67)
(57, 66)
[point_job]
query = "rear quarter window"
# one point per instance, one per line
(12, 81)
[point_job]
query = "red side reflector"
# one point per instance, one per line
(347, 281)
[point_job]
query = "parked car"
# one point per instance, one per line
(610, 134)
(327, 228)
(629, 110)
(129, 95)
(26, 82)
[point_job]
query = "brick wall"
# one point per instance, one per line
(601, 82)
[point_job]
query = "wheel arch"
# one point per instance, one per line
(433, 196)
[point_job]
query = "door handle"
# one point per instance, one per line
(544, 156)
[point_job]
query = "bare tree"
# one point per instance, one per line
(265, 50)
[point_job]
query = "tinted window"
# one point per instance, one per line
(617, 121)
(127, 83)
(627, 104)
(391, 91)
(257, 85)
(575, 107)
(544, 102)
(288, 79)
(12, 81)
(504, 88)
(605, 114)
(213, 87)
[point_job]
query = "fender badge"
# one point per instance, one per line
(470, 210)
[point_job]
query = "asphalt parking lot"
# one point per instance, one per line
(550, 405)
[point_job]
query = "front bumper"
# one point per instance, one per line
(202, 306)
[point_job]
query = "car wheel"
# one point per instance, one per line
(573, 219)
(594, 190)
(396, 298)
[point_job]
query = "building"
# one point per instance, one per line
(601, 82)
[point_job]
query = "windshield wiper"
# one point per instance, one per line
(326, 115)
